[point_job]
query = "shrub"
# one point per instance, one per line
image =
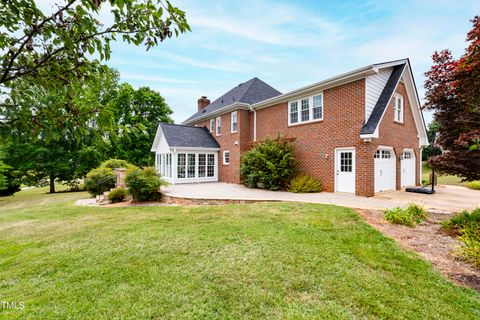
(268, 165)
(470, 250)
(409, 217)
(77, 187)
(417, 212)
(115, 164)
(305, 184)
(399, 216)
(466, 226)
(144, 185)
(475, 185)
(99, 180)
(117, 195)
(456, 224)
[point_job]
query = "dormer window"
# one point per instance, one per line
(398, 108)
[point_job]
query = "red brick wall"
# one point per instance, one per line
(315, 142)
(234, 142)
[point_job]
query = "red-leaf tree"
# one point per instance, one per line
(453, 93)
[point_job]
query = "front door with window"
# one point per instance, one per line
(345, 170)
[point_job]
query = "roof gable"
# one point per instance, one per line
(250, 92)
(181, 136)
(377, 113)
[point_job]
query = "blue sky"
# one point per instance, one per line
(289, 44)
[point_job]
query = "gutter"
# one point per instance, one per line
(254, 123)
(331, 82)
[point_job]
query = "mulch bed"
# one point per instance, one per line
(430, 242)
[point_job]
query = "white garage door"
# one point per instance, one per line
(385, 170)
(407, 168)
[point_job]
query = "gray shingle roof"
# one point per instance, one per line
(252, 91)
(382, 103)
(188, 136)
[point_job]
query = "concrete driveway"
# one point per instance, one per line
(447, 198)
(450, 198)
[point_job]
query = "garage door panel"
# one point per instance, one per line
(407, 169)
(385, 170)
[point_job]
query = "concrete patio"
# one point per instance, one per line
(448, 198)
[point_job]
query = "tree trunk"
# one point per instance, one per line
(52, 184)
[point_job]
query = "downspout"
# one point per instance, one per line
(254, 124)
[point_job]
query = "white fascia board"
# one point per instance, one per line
(230, 107)
(377, 67)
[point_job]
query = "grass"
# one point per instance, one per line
(212, 262)
(442, 179)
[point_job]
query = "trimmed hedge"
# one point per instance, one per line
(117, 195)
(144, 184)
(92, 181)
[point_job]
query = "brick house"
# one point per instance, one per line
(361, 132)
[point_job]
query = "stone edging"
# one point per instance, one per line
(195, 201)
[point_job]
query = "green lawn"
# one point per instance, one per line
(443, 179)
(213, 262)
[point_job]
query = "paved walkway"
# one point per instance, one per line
(447, 198)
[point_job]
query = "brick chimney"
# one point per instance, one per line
(203, 102)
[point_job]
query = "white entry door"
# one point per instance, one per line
(407, 168)
(345, 170)
(385, 170)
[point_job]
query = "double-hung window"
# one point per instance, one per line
(317, 107)
(293, 112)
(305, 114)
(234, 122)
(398, 108)
(212, 125)
(307, 109)
(226, 157)
(219, 126)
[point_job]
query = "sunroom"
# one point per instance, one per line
(185, 154)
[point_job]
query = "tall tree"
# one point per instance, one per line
(52, 49)
(453, 94)
(70, 135)
(137, 115)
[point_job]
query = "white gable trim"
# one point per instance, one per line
(414, 105)
(160, 144)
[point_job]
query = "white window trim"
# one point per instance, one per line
(231, 121)
(395, 109)
(218, 124)
(224, 160)
(310, 107)
(212, 125)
